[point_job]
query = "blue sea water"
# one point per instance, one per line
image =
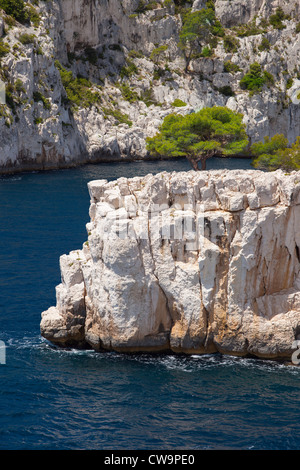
(67, 399)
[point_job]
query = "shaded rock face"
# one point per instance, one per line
(185, 262)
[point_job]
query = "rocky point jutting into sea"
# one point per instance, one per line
(89, 80)
(191, 262)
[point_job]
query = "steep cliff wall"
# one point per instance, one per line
(51, 120)
(188, 262)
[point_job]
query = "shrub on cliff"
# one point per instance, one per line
(256, 78)
(274, 153)
(79, 90)
(215, 131)
(277, 19)
(4, 49)
(231, 44)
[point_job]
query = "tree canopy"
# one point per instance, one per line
(199, 136)
(275, 153)
(256, 78)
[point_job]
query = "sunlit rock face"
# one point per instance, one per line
(194, 262)
(115, 43)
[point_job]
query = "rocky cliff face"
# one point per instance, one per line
(126, 72)
(185, 262)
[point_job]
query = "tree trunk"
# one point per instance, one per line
(203, 164)
(194, 161)
(188, 58)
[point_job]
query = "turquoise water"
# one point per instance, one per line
(57, 399)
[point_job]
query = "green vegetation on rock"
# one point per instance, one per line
(277, 19)
(129, 69)
(264, 45)
(128, 93)
(121, 118)
(231, 44)
(4, 48)
(157, 53)
(275, 153)
(250, 29)
(16, 9)
(178, 103)
(78, 89)
(143, 7)
(26, 38)
(38, 96)
(256, 78)
(21, 11)
(230, 67)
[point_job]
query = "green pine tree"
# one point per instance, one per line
(215, 131)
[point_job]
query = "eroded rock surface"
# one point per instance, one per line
(188, 262)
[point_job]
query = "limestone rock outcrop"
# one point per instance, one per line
(193, 262)
(128, 53)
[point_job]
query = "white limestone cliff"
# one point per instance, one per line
(193, 262)
(38, 136)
